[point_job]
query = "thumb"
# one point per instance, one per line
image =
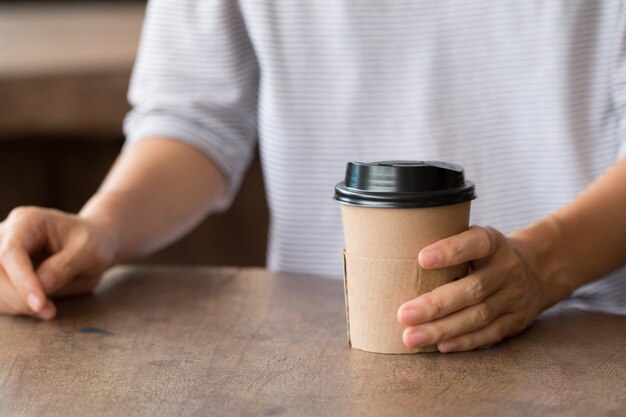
(59, 269)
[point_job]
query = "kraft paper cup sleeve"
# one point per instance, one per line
(375, 288)
(345, 293)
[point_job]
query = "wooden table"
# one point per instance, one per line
(244, 342)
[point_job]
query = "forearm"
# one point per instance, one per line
(157, 190)
(584, 240)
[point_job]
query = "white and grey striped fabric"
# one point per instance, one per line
(529, 96)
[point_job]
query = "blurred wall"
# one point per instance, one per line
(64, 70)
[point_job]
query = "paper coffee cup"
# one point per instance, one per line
(390, 211)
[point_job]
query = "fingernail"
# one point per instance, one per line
(447, 346)
(34, 302)
(46, 279)
(408, 316)
(416, 338)
(429, 258)
(47, 313)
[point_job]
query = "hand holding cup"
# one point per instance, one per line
(501, 296)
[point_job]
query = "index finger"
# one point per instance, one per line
(16, 262)
(472, 244)
(449, 298)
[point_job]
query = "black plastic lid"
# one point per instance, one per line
(404, 184)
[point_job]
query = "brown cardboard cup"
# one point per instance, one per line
(381, 270)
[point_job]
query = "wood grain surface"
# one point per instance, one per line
(244, 342)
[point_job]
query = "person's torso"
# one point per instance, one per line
(519, 93)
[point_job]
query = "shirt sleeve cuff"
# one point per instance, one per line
(231, 157)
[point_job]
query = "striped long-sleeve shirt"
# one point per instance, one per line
(529, 96)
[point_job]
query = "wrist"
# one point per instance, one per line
(107, 229)
(541, 245)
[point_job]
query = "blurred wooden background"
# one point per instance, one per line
(64, 73)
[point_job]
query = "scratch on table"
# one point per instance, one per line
(612, 356)
(95, 330)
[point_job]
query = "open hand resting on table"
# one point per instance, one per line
(501, 296)
(47, 252)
